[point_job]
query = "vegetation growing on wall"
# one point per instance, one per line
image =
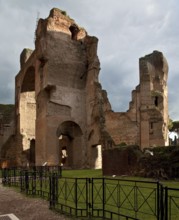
(163, 164)
(6, 111)
(175, 125)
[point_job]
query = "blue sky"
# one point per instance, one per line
(127, 30)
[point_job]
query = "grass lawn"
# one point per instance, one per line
(91, 173)
(114, 194)
(119, 193)
(87, 173)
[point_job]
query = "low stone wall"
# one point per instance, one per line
(120, 161)
(162, 163)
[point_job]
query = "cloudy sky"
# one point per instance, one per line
(127, 30)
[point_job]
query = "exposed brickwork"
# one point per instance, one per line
(59, 100)
(119, 161)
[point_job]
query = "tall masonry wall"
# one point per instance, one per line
(60, 103)
(146, 122)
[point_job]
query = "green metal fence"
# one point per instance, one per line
(97, 198)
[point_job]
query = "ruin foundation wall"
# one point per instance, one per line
(60, 101)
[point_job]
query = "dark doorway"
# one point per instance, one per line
(70, 134)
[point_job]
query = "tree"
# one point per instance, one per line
(170, 124)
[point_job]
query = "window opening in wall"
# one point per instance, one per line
(156, 101)
(74, 31)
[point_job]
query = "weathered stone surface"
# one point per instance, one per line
(146, 121)
(26, 53)
(121, 161)
(60, 102)
(163, 164)
(157, 163)
(56, 94)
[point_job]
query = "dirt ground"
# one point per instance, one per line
(25, 208)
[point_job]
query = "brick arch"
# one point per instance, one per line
(70, 135)
(69, 128)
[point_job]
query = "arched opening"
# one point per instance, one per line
(70, 140)
(27, 108)
(96, 151)
(74, 31)
(96, 156)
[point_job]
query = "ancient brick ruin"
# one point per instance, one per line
(60, 102)
(146, 122)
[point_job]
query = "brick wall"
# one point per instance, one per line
(120, 161)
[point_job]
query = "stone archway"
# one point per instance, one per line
(70, 134)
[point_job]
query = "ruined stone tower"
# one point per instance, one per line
(56, 93)
(60, 103)
(153, 100)
(146, 122)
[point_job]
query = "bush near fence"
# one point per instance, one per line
(130, 160)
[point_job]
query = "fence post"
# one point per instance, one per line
(76, 196)
(4, 176)
(104, 197)
(53, 179)
(50, 191)
(26, 181)
(158, 201)
(34, 173)
(9, 176)
(56, 188)
(166, 203)
(21, 180)
(41, 178)
(59, 171)
(162, 206)
(91, 197)
(14, 176)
